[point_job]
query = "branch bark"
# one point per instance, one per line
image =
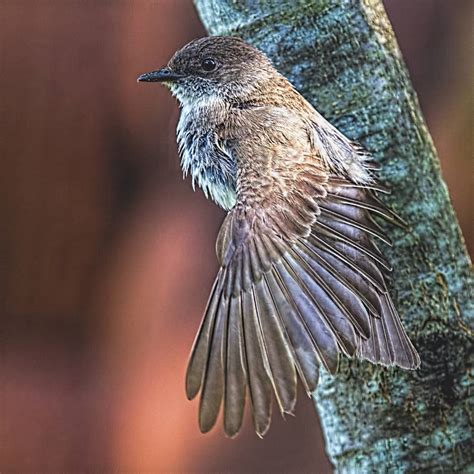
(343, 57)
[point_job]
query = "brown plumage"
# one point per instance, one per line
(301, 277)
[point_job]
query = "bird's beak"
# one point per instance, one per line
(162, 75)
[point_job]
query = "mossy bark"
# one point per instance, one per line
(343, 57)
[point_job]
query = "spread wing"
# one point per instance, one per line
(301, 280)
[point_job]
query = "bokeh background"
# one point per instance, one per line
(106, 254)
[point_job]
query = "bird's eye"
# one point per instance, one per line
(208, 64)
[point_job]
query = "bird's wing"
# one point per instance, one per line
(301, 280)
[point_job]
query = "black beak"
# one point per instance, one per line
(162, 75)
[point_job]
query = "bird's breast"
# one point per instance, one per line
(205, 158)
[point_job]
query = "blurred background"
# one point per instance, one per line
(107, 255)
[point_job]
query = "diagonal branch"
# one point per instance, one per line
(342, 55)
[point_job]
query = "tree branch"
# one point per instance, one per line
(343, 57)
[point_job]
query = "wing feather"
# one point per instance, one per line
(213, 383)
(323, 339)
(200, 351)
(277, 346)
(301, 281)
(235, 374)
(304, 348)
(258, 381)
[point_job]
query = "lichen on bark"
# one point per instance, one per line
(343, 57)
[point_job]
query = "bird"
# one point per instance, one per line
(301, 276)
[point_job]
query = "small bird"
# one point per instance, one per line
(301, 278)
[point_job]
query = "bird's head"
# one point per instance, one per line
(214, 68)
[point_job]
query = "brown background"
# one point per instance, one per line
(107, 255)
